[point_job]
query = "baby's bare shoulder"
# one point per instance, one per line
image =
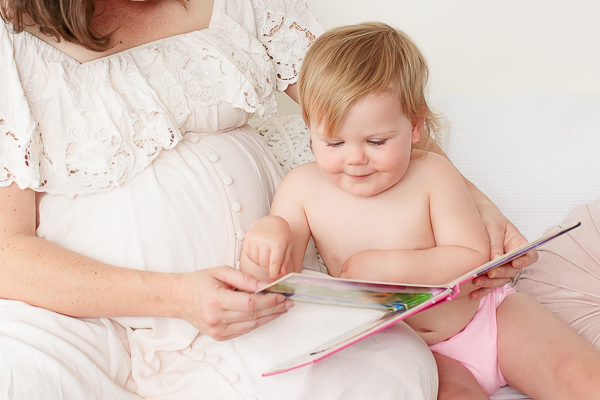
(301, 177)
(303, 172)
(432, 164)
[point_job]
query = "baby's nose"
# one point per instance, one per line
(355, 155)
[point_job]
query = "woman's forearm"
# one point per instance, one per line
(480, 200)
(43, 274)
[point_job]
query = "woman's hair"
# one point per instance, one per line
(347, 63)
(68, 20)
(63, 19)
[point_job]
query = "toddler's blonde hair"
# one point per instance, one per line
(349, 62)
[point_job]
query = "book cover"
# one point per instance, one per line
(399, 300)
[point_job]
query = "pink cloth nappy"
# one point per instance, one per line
(476, 346)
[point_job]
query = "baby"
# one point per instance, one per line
(381, 208)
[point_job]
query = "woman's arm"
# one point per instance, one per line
(292, 91)
(43, 274)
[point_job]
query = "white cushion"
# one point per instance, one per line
(537, 156)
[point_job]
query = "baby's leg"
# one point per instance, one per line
(542, 356)
(456, 381)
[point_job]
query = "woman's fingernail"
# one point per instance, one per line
(479, 282)
(517, 263)
(280, 299)
(289, 305)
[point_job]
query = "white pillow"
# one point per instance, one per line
(537, 156)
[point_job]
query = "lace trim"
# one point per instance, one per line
(103, 145)
(288, 138)
(286, 38)
(286, 45)
(116, 115)
(18, 164)
(6, 175)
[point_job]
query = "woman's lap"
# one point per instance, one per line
(51, 356)
(48, 355)
(392, 364)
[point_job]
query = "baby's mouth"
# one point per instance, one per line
(360, 177)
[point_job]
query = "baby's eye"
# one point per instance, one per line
(377, 142)
(334, 144)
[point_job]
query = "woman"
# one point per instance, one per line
(128, 176)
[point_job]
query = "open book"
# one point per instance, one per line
(398, 300)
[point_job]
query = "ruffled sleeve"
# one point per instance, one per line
(286, 28)
(18, 155)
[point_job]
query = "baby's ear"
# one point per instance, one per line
(417, 129)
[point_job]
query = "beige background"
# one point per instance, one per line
(485, 46)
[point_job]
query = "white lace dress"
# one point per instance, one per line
(144, 159)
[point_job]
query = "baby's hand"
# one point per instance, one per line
(268, 243)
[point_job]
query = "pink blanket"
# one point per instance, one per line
(566, 278)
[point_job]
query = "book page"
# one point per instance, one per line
(351, 293)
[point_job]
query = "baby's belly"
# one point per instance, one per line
(443, 321)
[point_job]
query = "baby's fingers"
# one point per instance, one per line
(276, 261)
(252, 252)
(264, 259)
(286, 262)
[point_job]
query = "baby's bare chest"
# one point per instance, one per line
(343, 225)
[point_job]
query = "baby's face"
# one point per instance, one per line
(372, 149)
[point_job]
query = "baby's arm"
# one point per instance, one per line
(461, 243)
(275, 245)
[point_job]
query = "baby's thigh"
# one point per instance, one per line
(542, 356)
(456, 381)
(50, 356)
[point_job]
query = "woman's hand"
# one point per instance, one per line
(504, 237)
(221, 303)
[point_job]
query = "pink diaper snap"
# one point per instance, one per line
(476, 346)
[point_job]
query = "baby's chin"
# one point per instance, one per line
(365, 193)
(361, 190)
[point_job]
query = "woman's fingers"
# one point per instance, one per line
(504, 271)
(244, 299)
(240, 328)
(231, 317)
(525, 260)
(244, 312)
(479, 293)
(496, 233)
(504, 237)
(223, 312)
(254, 305)
(233, 278)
